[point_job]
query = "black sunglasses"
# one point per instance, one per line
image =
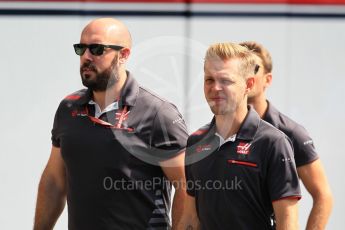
(95, 49)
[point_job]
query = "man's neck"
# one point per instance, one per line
(229, 124)
(260, 104)
(105, 98)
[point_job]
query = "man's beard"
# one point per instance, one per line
(230, 106)
(102, 81)
(223, 111)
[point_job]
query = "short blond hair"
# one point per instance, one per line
(227, 50)
(262, 52)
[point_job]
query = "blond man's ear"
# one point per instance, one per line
(268, 80)
(250, 84)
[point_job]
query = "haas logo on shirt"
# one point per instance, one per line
(201, 148)
(121, 116)
(243, 148)
(79, 113)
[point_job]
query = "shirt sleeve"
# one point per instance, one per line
(303, 145)
(282, 178)
(55, 130)
(169, 134)
(190, 182)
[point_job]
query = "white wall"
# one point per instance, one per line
(39, 67)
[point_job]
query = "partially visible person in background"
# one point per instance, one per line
(308, 164)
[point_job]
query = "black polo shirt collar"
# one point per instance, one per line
(128, 95)
(250, 125)
(85, 97)
(270, 114)
(248, 128)
(129, 92)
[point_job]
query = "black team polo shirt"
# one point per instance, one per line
(113, 177)
(303, 145)
(235, 184)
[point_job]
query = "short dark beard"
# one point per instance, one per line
(103, 80)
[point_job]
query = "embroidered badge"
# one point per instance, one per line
(243, 149)
(201, 148)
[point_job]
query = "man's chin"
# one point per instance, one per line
(88, 75)
(216, 110)
(88, 83)
(222, 111)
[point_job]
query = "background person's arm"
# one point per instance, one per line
(315, 181)
(189, 218)
(286, 214)
(51, 196)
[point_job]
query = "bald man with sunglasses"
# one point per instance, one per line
(116, 146)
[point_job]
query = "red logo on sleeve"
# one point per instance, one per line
(201, 148)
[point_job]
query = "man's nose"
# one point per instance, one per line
(217, 86)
